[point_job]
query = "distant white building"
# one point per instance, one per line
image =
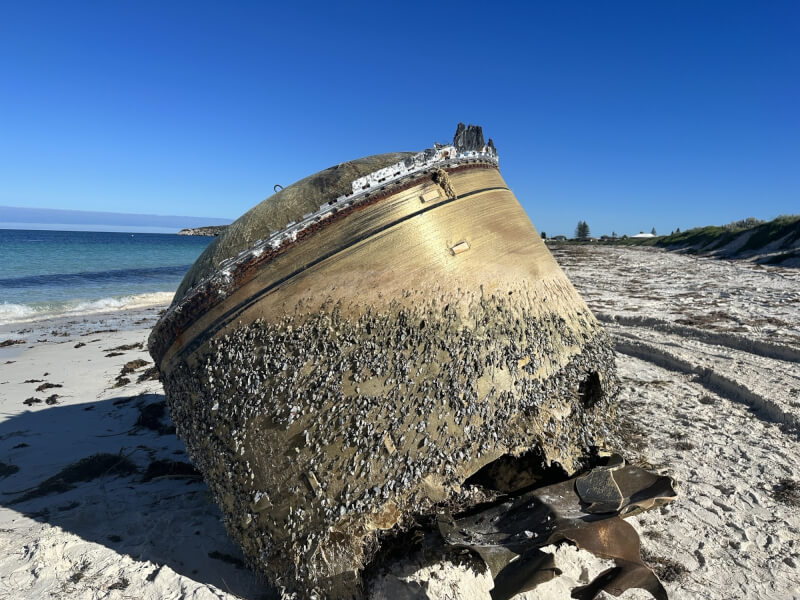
(643, 235)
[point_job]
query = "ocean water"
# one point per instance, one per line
(45, 273)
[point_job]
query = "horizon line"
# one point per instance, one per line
(19, 217)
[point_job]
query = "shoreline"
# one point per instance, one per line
(126, 312)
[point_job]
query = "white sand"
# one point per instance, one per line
(112, 537)
(719, 412)
(711, 369)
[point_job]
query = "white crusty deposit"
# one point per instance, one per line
(431, 159)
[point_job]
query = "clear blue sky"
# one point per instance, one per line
(628, 115)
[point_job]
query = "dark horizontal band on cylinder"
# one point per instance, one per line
(231, 314)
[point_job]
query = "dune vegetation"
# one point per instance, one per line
(771, 242)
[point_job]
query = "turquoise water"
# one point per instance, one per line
(69, 272)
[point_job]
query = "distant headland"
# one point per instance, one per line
(17, 217)
(210, 230)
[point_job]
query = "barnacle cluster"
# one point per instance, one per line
(316, 433)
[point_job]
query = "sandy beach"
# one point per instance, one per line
(98, 500)
(133, 520)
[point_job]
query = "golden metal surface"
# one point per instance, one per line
(400, 249)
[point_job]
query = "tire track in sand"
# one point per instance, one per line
(721, 384)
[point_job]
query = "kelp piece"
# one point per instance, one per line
(508, 535)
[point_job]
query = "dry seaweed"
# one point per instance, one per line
(48, 386)
(132, 365)
(151, 374)
(7, 470)
(787, 491)
(78, 575)
(86, 469)
(136, 346)
(667, 569)
(119, 585)
(226, 558)
(150, 417)
(171, 469)
(5, 343)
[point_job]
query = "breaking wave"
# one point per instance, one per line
(20, 313)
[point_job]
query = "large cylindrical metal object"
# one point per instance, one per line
(336, 376)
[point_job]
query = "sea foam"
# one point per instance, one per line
(23, 313)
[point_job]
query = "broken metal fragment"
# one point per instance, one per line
(508, 535)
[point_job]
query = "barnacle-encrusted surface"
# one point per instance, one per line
(316, 432)
(354, 371)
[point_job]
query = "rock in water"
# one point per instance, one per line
(347, 353)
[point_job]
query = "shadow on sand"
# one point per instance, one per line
(113, 472)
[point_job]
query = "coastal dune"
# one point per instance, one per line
(98, 499)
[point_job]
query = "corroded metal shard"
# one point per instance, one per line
(509, 534)
(355, 347)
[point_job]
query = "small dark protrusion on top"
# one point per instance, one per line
(490, 144)
(469, 137)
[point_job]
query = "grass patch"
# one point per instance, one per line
(774, 230)
(700, 240)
